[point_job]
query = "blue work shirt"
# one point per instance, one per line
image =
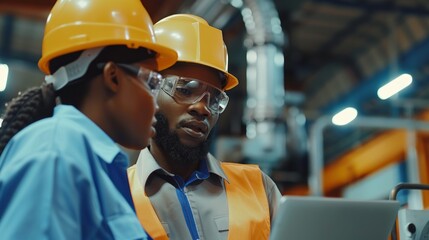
(59, 180)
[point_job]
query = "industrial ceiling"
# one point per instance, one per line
(337, 53)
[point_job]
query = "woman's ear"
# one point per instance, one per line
(110, 76)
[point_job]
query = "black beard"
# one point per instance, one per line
(178, 155)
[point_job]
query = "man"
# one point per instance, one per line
(179, 189)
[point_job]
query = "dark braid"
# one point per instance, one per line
(32, 105)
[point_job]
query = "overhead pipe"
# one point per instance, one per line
(265, 126)
(264, 110)
(217, 13)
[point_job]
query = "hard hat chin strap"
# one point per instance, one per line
(73, 70)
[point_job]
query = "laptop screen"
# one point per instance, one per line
(322, 218)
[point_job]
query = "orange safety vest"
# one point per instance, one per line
(249, 214)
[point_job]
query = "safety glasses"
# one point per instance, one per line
(190, 91)
(151, 79)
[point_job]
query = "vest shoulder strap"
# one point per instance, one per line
(144, 209)
(249, 216)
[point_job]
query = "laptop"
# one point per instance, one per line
(323, 218)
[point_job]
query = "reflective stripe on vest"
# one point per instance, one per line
(248, 219)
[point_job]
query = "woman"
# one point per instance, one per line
(62, 174)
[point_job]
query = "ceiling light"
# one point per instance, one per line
(345, 116)
(394, 86)
(237, 3)
(4, 71)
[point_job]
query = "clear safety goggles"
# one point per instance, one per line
(151, 79)
(190, 91)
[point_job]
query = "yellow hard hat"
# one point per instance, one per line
(78, 25)
(195, 41)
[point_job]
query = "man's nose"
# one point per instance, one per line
(201, 105)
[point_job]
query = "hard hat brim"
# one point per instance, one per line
(165, 57)
(231, 80)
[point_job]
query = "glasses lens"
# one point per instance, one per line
(151, 78)
(190, 91)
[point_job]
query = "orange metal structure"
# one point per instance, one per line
(385, 149)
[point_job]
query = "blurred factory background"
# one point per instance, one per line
(299, 62)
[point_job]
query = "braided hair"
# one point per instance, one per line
(32, 105)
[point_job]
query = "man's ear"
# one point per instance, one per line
(110, 76)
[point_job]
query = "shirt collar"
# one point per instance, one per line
(146, 165)
(100, 142)
(214, 166)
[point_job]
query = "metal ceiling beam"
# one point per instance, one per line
(379, 7)
(346, 31)
(218, 13)
(409, 61)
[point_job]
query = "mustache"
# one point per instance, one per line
(178, 155)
